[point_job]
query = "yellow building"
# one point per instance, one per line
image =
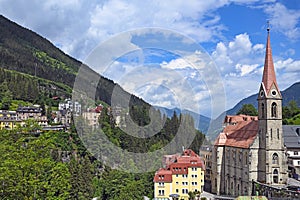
(8, 119)
(182, 174)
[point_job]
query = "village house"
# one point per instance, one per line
(182, 174)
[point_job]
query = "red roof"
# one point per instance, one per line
(180, 165)
(269, 77)
(163, 175)
(240, 131)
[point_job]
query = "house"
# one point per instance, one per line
(32, 112)
(206, 155)
(92, 115)
(182, 174)
(8, 119)
(68, 104)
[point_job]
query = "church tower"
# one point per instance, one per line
(272, 161)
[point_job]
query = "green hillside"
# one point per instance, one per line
(22, 50)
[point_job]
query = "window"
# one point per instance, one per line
(271, 132)
(177, 175)
(194, 183)
(275, 176)
(262, 110)
(161, 192)
(278, 133)
(184, 183)
(184, 175)
(295, 153)
(161, 184)
(274, 110)
(177, 190)
(177, 183)
(298, 162)
(275, 159)
(184, 191)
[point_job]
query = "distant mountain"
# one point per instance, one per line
(201, 122)
(291, 93)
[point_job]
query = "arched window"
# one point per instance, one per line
(275, 176)
(274, 110)
(275, 159)
(262, 110)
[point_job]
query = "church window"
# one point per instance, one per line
(275, 176)
(275, 159)
(262, 110)
(274, 110)
(278, 133)
(271, 133)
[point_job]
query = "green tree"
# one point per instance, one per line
(5, 96)
(248, 109)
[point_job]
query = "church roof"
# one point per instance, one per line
(240, 131)
(269, 76)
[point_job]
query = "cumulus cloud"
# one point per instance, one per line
(284, 20)
(238, 56)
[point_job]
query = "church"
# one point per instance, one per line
(252, 147)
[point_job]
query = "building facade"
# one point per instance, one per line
(252, 147)
(8, 119)
(206, 155)
(182, 174)
(291, 134)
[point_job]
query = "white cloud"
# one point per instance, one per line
(284, 20)
(238, 56)
(246, 69)
(288, 65)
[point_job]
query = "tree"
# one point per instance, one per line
(5, 96)
(248, 109)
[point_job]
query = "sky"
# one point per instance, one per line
(204, 56)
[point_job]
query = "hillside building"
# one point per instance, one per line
(182, 174)
(32, 112)
(252, 147)
(8, 119)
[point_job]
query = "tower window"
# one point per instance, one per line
(262, 110)
(275, 176)
(275, 159)
(274, 110)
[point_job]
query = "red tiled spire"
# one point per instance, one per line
(269, 76)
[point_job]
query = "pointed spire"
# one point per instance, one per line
(269, 76)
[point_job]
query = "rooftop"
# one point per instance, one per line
(240, 131)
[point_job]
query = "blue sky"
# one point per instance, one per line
(230, 33)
